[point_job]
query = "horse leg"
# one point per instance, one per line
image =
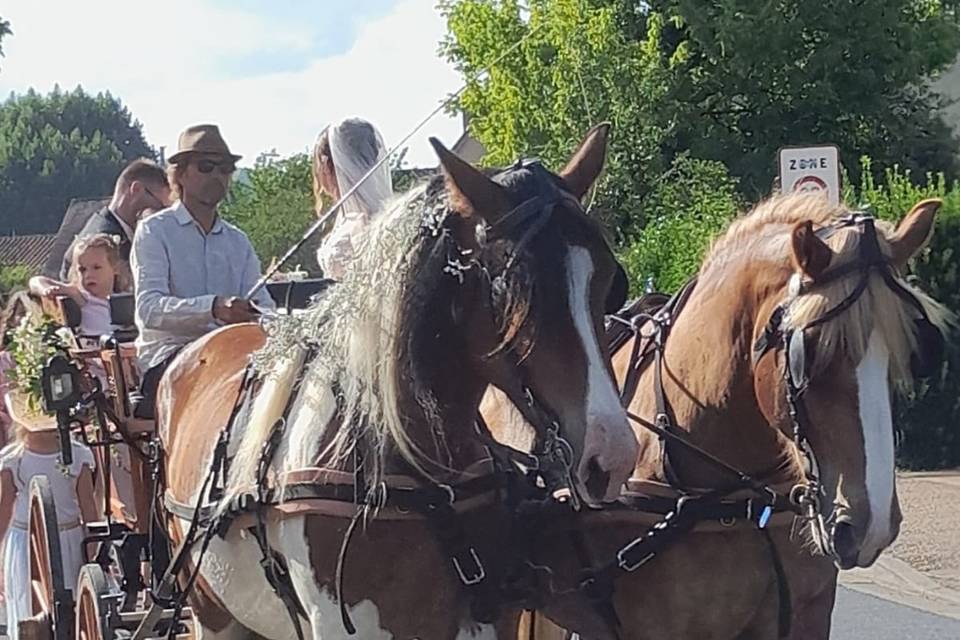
(812, 617)
(765, 623)
(323, 612)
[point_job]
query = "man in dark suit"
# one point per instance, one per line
(142, 185)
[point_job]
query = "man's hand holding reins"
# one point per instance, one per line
(234, 310)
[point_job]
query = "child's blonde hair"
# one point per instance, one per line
(122, 280)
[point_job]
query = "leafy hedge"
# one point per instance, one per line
(13, 278)
(697, 199)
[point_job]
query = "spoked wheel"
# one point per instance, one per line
(94, 602)
(51, 604)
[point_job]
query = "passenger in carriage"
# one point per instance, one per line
(142, 184)
(97, 270)
(35, 451)
(343, 154)
(192, 270)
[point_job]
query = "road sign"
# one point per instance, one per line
(813, 169)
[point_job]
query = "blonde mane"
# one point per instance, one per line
(362, 356)
(763, 235)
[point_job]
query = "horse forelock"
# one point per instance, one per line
(759, 240)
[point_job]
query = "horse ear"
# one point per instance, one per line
(585, 165)
(914, 231)
(471, 192)
(810, 254)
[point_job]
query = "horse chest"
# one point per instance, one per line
(231, 570)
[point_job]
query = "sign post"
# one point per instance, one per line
(814, 169)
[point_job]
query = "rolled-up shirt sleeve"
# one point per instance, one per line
(156, 308)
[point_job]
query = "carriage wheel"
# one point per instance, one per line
(50, 602)
(93, 605)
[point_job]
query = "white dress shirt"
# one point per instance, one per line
(178, 270)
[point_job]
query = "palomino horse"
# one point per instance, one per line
(780, 362)
(371, 397)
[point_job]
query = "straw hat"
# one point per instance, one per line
(32, 420)
(201, 138)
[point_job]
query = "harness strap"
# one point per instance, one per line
(341, 570)
(470, 570)
(784, 604)
(278, 576)
(599, 592)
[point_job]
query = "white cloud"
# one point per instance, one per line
(165, 62)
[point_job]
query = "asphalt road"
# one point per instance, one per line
(858, 616)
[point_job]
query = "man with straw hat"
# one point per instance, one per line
(191, 269)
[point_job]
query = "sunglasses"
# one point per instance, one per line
(226, 167)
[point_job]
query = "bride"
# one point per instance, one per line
(343, 154)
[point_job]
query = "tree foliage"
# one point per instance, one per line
(725, 80)
(60, 146)
(693, 203)
(13, 277)
(4, 31)
(760, 75)
(274, 206)
(573, 69)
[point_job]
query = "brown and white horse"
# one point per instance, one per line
(462, 283)
(723, 377)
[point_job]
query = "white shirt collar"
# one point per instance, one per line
(127, 230)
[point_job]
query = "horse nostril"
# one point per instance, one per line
(596, 480)
(845, 544)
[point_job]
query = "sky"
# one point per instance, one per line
(271, 73)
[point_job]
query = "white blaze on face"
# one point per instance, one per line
(604, 414)
(876, 421)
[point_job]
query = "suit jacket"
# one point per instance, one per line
(102, 221)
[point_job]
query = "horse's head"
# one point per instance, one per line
(541, 280)
(834, 336)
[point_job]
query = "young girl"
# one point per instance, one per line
(35, 451)
(96, 271)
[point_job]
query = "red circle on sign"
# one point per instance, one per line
(809, 184)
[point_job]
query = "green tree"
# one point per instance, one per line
(692, 203)
(725, 80)
(60, 146)
(273, 204)
(4, 31)
(760, 75)
(12, 278)
(574, 69)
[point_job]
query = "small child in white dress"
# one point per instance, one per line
(35, 451)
